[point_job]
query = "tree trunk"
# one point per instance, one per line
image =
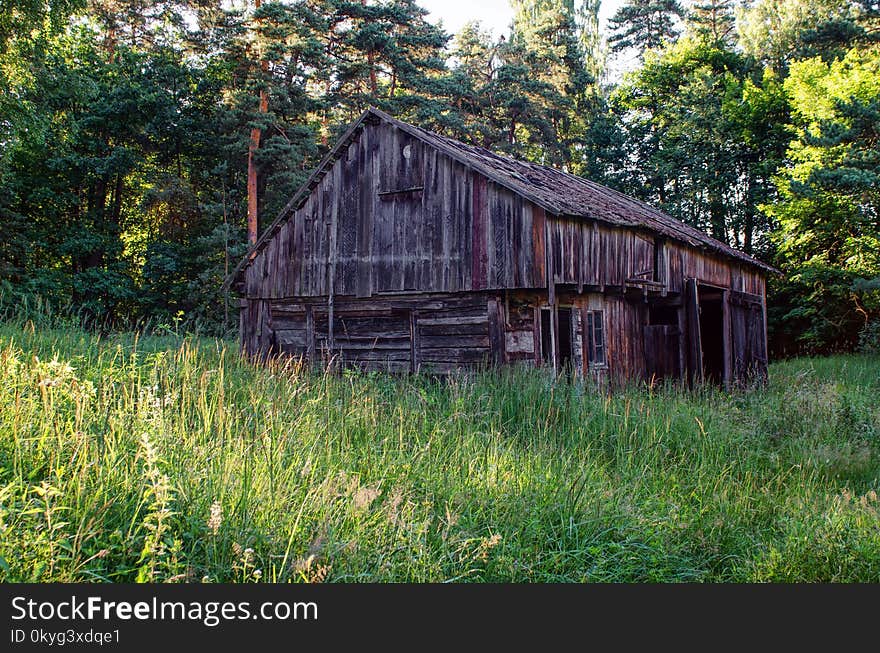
(117, 202)
(374, 82)
(256, 133)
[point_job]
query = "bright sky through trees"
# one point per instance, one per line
(495, 15)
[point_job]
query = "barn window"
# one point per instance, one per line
(596, 338)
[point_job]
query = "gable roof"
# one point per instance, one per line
(559, 193)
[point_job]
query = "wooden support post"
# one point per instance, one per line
(727, 338)
(414, 347)
(536, 335)
(695, 346)
(310, 334)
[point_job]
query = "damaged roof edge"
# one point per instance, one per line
(652, 219)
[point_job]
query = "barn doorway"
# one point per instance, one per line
(711, 302)
(662, 349)
(705, 318)
(556, 345)
(547, 336)
(563, 356)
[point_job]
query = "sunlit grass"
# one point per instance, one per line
(163, 459)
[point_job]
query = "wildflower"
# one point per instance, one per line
(216, 518)
(258, 574)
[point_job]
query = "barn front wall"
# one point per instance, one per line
(607, 338)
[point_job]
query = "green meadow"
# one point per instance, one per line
(170, 459)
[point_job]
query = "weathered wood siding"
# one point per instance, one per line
(684, 262)
(393, 215)
(624, 323)
(402, 258)
(747, 340)
(586, 253)
(255, 331)
(435, 333)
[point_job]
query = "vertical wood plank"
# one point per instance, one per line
(363, 176)
(496, 331)
(695, 348)
(539, 254)
(310, 334)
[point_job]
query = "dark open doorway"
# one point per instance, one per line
(662, 350)
(546, 337)
(564, 338)
(711, 302)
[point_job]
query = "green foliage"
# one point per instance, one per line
(713, 21)
(779, 32)
(531, 95)
(130, 458)
(704, 138)
(869, 338)
(829, 234)
(644, 25)
(125, 127)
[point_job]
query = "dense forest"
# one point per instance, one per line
(143, 143)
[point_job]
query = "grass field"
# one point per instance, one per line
(169, 459)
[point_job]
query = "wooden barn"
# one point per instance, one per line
(409, 251)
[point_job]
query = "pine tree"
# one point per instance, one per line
(778, 32)
(382, 53)
(642, 25)
(587, 19)
(554, 33)
(713, 21)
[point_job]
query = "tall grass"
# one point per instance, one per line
(128, 458)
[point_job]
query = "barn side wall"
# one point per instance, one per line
(430, 333)
(441, 333)
(588, 254)
(444, 332)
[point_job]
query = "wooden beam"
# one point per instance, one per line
(415, 348)
(727, 338)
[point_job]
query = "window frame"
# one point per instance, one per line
(597, 352)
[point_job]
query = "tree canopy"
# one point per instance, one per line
(129, 161)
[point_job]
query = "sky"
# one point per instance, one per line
(495, 15)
